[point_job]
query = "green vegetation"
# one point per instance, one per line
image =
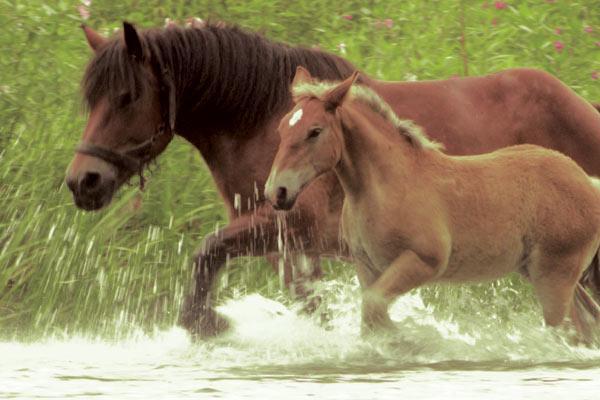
(62, 270)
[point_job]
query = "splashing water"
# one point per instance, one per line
(276, 351)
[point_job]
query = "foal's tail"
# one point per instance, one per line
(591, 278)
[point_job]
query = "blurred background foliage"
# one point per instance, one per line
(65, 271)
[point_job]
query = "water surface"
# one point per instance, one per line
(274, 351)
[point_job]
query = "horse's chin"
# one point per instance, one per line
(93, 203)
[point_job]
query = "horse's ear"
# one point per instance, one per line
(132, 41)
(336, 96)
(94, 39)
(302, 76)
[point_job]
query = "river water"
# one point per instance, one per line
(274, 351)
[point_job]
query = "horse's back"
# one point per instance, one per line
(480, 114)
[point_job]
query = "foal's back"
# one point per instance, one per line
(506, 207)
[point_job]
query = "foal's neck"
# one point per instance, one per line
(373, 153)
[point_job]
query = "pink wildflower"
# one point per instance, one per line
(494, 21)
(558, 31)
(500, 5)
(559, 46)
(389, 23)
(84, 13)
(598, 44)
(588, 29)
(348, 17)
(595, 75)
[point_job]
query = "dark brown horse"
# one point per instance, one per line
(224, 90)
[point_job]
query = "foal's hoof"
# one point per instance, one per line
(205, 325)
(377, 323)
(379, 328)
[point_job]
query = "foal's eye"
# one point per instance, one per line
(314, 132)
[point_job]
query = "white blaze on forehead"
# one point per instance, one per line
(296, 117)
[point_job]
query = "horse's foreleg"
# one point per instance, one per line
(406, 272)
(237, 238)
(249, 235)
(297, 272)
(197, 314)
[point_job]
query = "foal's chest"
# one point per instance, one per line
(370, 239)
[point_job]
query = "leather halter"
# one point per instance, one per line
(134, 160)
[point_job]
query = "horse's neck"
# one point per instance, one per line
(371, 155)
(230, 112)
(239, 162)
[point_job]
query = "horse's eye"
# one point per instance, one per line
(125, 99)
(314, 132)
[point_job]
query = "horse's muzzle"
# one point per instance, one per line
(91, 191)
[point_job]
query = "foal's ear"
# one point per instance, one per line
(94, 39)
(132, 41)
(336, 96)
(302, 76)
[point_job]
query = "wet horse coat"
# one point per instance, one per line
(229, 111)
(414, 215)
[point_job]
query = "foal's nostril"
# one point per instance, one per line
(90, 181)
(281, 194)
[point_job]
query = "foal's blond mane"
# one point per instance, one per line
(371, 99)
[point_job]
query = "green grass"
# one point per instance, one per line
(62, 270)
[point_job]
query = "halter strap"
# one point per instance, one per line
(119, 160)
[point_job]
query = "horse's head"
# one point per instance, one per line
(311, 139)
(131, 119)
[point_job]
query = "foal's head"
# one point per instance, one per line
(311, 141)
(131, 102)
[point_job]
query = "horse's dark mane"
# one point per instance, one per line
(234, 78)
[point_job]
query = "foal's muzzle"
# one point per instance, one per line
(282, 200)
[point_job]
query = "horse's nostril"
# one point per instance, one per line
(281, 194)
(71, 184)
(90, 181)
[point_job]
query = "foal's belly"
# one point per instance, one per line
(482, 262)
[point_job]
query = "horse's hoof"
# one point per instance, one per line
(204, 325)
(211, 325)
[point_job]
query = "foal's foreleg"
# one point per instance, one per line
(406, 272)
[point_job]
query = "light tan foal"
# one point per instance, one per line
(414, 215)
